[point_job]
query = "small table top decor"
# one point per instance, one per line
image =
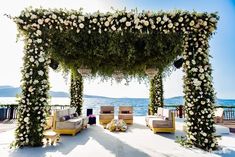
(117, 125)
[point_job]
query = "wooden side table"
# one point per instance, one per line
(51, 137)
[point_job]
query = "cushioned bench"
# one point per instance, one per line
(68, 122)
(164, 121)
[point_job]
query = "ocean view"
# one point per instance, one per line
(139, 104)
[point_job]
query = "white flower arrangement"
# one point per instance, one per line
(111, 22)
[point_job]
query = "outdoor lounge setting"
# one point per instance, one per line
(157, 40)
(120, 46)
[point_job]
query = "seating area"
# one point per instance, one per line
(219, 115)
(163, 121)
(68, 122)
(126, 113)
(106, 114)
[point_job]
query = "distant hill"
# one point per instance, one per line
(9, 91)
(180, 100)
(174, 100)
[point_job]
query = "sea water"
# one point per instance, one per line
(140, 105)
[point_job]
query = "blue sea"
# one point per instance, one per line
(140, 105)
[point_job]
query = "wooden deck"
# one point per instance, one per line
(230, 124)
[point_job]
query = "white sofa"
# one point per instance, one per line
(67, 122)
(163, 121)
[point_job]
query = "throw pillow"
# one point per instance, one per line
(125, 112)
(75, 115)
(71, 116)
(64, 118)
(107, 112)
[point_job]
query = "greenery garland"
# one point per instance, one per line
(34, 99)
(101, 42)
(199, 93)
(76, 92)
(156, 94)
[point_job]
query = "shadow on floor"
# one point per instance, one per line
(69, 143)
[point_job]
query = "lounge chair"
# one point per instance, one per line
(163, 122)
(126, 113)
(219, 115)
(106, 114)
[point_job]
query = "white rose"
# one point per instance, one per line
(39, 32)
(54, 16)
(27, 14)
(153, 26)
(31, 59)
(73, 16)
(212, 19)
(41, 59)
(94, 20)
(47, 20)
(40, 21)
(39, 41)
(187, 62)
(146, 23)
(26, 119)
(81, 25)
(191, 113)
(128, 24)
(25, 27)
(165, 18)
(196, 82)
(33, 16)
(82, 18)
(40, 72)
(30, 41)
(211, 29)
(202, 77)
(191, 23)
(136, 21)
(204, 134)
(181, 19)
(30, 89)
(123, 19)
(204, 23)
(106, 23)
(113, 28)
(159, 19)
(170, 25)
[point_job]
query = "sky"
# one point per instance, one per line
(222, 46)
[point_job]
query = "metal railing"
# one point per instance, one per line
(9, 111)
(229, 111)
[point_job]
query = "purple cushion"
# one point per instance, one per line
(64, 118)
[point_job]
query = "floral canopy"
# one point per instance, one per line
(127, 42)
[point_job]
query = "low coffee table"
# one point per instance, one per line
(51, 137)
